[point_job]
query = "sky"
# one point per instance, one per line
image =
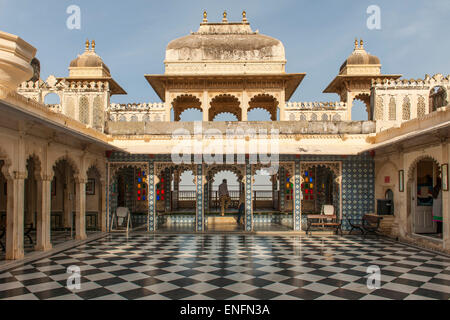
(131, 36)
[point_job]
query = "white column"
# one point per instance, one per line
(43, 227)
(80, 211)
(244, 106)
(15, 216)
(205, 106)
(282, 106)
(102, 205)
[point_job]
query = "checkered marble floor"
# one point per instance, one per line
(57, 237)
(201, 267)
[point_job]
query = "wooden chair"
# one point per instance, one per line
(368, 224)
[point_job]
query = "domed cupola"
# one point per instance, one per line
(360, 62)
(226, 48)
(88, 64)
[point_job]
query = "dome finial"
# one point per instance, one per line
(205, 16)
(244, 16)
(93, 45)
(224, 17)
(356, 43)
(361, 42)
(87, 45)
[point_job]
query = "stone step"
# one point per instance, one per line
(221, 220)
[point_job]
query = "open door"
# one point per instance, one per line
(425, 177)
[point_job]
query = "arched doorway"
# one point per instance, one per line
(425, 198)
(321, 185)
(31, 203)
(63, 202)
(273, 198)
(437, 98)
(94, 200)
(128, 188)
(215, 176)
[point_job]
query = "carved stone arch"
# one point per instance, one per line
(98, 166)
(412, 166)
(264, 101)
(72, 163)
(334, 167)
(52, 92)
(225, 103)
(184, 102)
(38, 172)
(365, 98)
(438, 97)
(115, 167)
(212, 170)
(386, 163)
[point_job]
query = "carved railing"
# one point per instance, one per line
(316, 105)
(132, 112)
(316, 111)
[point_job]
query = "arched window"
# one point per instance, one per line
(392, 109)
(70, 107)
(324, 117)
(83, 111)
(438, 98)
(122, 118)
(146, 118)
(291, 117)
(314, 117)
(406, 109)
(134, 118)
(52, 99)
(191, 114)
(379, 109)
(98, 113)
(421, 107)
(359, 111)
(302, 117)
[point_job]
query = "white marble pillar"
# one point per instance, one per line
(15, 216)
(80, 208)
(205, 106)
(43, 226)
(102, 205)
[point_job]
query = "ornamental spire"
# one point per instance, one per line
(224, 17)
(87, 45)
(205, 16)
(244, 16)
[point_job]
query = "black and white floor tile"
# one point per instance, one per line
(235, 267)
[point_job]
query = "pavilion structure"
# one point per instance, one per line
(67, 165)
